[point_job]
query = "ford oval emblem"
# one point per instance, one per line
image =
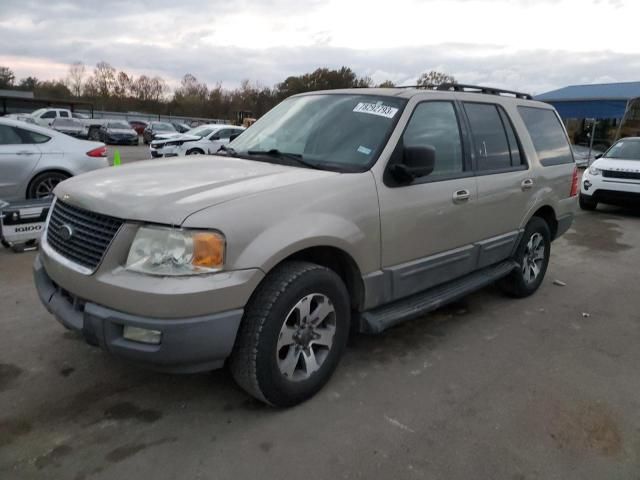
(65, 232)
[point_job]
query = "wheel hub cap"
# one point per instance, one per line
(533, 258)
(306, 337)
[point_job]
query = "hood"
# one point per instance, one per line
(617, 165)
(180, 136)
(168, 191)
(122, 131)
(164, 136)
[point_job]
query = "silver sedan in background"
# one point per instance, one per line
(33, 159)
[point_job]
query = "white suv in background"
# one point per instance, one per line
(614, 178)
(202, 140)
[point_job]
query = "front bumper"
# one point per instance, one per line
(609, 190)
(187, 345)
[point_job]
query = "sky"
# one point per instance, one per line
(527, 45)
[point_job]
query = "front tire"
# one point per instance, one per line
(43, 184)
(532, 257)
(587, 202)
(293, 333)
(195, 151)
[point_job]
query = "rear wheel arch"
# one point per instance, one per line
(36, 175)
(548, 214)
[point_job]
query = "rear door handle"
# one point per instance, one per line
(526, 184)
(461, 195)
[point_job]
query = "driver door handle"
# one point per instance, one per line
(527, 184)
(461, 196)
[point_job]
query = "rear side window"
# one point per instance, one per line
(31, 137)
(64, 114)
(494, 140)
(9, 136)
(547, 135)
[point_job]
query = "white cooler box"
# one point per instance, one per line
(22, 223)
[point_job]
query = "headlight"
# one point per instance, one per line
(594, 171)
(170, 251)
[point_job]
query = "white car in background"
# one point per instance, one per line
(34, 159)
(202, 140)
(614, 178)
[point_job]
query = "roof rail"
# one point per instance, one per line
(462, 87)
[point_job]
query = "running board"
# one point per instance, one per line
(379, 319)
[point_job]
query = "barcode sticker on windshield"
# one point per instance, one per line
(376, 109)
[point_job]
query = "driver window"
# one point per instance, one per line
(435, 124)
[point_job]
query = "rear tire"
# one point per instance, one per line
(587, 202)
(282, 355)
(532, 256)
(195, 151)
(43, 184)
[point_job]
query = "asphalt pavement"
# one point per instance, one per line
(488, 388)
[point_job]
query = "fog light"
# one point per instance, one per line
(142, 335)
(587, 184)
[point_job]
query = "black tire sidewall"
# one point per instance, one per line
(31, 191)
(277, 389)
(195, 151)
(535, 225)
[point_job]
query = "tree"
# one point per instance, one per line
(434, 78)
(75, 78)
(7, 77)
(123, 84)
(387, 84)
(104, 76)
(29, 84)
(52, 89)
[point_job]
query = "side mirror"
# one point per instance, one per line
(417, 162)
(598, 156)
(233, 137)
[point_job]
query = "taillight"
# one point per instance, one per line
(574, 183)
(98, 152)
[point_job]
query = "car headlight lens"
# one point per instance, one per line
(169, 251)
(594, 171)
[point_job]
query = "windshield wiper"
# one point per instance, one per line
(296, 157)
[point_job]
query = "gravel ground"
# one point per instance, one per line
(541, 388)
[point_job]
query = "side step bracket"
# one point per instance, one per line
(379, 319)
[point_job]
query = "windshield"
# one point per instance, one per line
(119, 125)
(164, 126)
(625, 150)
(199, 131)
(339, 131)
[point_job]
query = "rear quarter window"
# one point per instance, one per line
(547, 135)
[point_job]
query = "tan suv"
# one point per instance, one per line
(337, 211)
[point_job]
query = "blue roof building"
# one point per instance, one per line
(605, 100)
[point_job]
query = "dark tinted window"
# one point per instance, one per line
(489, 137)
(435, 124)
(50, 114)
(547, 135)
(9, 136)
(32, 137)
(64, 114)
(517, 158)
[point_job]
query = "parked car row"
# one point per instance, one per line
(205, 139)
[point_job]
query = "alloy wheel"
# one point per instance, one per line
(533, 257)
(306, 337)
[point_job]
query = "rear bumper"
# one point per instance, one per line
(187, 345)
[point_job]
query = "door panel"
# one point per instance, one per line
(17, 161)
(428, 227)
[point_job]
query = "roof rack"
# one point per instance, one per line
(461, 87)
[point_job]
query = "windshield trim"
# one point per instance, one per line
(339, 167)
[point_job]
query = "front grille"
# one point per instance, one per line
(91, 234)
(619, 174)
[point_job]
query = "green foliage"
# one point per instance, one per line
(7, 77)
(434, 78)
